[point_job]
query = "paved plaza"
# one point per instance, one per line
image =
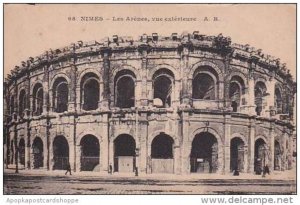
(43, 182)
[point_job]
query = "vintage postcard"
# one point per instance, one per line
(103, 99)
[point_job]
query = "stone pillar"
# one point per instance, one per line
(49, 149)
(106, 79)
(51, 106)
(28, 146)
(46, 102)
(246, 162)
(272, 147)
(227, 131)
(138, 89)
(251, 146)
(184, 65)
(72, 143)
(270, 98)
(78, 98)
(72, 90)
(221, 95)
(290, 151)
(104, 147)
(143, 126)
(186, 145)
(143, 89)
(251, 98)
(284, 154)
(46, 152)
(111, 153)
(78, 156)
(100, 94)
(176, 93)
(177, 159)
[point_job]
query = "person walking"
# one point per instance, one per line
(68, 169)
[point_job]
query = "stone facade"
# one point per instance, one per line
(181, 104)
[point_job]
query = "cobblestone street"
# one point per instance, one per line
(78, 183)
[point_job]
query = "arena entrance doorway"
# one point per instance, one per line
(37, 153)
(60, 153)
(124, 153)
(90, 153)
(237, 154)
(261, 155)
(162, 160)
(204, 154)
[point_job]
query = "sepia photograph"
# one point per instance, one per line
(149, 99)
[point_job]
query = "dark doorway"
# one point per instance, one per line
(162, 159)
(90, 153)
(37, 151)
(237, 154)
(204, 154)
(277, 155)
(124, 153)
(261, 155)
(22, 151)
(60, 153)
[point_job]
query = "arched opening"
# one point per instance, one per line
(162, 159)
(205, 84)
(37, 152)
(124, 153)
(236, 91)
(60, 95)
(260, 92)
(261, 155)
(90, 92)
(38, 96)
(90, 153)
(22, 103)
(237, 154)
(204, 154)
(60, 153)
(203, 87)
(125, 89)
(278, 101)
(22, 151)
(277, 155)
(162, 83)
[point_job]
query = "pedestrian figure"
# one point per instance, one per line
(236, 172)
(110, 169)
(68, 169)
(136, 171)
(266, 170)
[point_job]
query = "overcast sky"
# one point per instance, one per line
(31, 30)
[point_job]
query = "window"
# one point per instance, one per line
(125, 89)
(90, 92)
(60, 95)
(162, 83)
(38, 96)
